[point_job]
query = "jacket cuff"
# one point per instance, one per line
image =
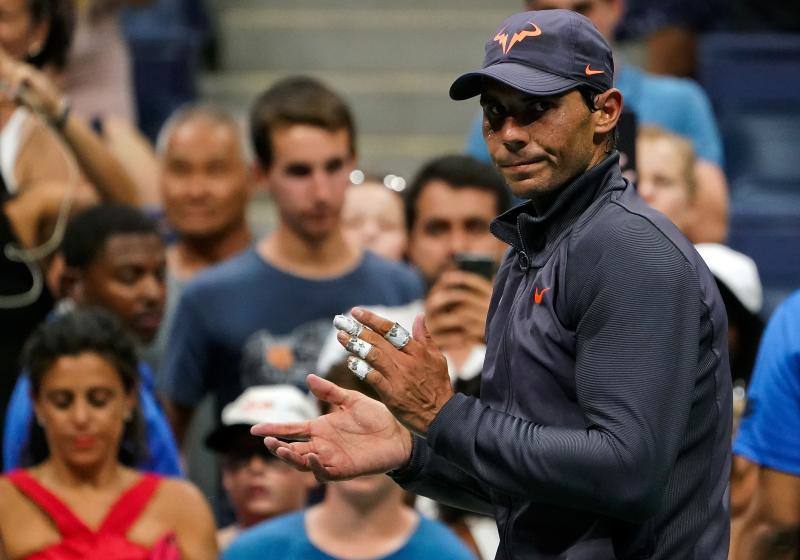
(452, 433)
(419, 457)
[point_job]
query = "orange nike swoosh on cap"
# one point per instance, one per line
(537, 295)
(590, 72)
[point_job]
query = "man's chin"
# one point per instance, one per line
(531, 188)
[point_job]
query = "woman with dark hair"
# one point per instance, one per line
(80, 499)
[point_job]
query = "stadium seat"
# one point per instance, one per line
(765, 224)
(762, 145)
(749, 70)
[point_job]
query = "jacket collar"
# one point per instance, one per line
(530, 230)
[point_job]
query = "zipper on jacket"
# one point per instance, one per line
(524, 261)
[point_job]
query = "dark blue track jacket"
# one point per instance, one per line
(604, 424)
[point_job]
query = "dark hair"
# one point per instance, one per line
(76, 332)
(60, 15)
(297, 100)
(750, 327)
(458, 171)
(88, 231)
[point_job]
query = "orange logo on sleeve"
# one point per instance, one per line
(590, 72)
(538, 295)
(502, 37)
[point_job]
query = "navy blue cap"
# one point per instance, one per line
(546, 52)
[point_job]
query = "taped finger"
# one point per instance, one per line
(359, 367)
(348, 325)
(397, 336)
(360, 348)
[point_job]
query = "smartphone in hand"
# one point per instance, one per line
(482, 265)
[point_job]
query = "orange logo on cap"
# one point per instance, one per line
(502, 37)
(590, 72)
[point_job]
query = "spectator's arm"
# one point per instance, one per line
(708, 221)
(767, 439)
(35, 90)
(771, 526)
(102, 169)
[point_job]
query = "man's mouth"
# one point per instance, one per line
(149, 320)
(521, 165)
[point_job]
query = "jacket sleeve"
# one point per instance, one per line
(433, 477)
(636, 305)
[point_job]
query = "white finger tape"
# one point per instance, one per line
(348, 325)
(360, 348)
(398, 336)
(358, 366)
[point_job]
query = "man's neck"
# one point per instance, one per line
(345, 530)
(319, 258)
(189, 256)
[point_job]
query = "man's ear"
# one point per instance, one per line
(71, 284)
(609, 110)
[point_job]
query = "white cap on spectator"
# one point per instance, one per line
(270, 403)
(736, 271)
(265, 403)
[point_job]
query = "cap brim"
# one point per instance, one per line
(224, 438)
(518, 76)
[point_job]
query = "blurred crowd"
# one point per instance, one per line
(133, 289)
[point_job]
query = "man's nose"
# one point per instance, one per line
(152, 288)
(321, 190)
(513, 135)
(459, 242)
(195, 186)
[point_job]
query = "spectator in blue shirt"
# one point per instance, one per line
(676, 104)
(114, 259)
(767, 446)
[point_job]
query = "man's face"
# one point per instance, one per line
(261, 487)
(308, 178)
(449, 221)
(662, 181)
(604, 14)
(128, 279)
(205, 181)
(537, 143)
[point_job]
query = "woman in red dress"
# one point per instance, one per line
(79, 500)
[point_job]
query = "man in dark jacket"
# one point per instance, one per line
(603, 427)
